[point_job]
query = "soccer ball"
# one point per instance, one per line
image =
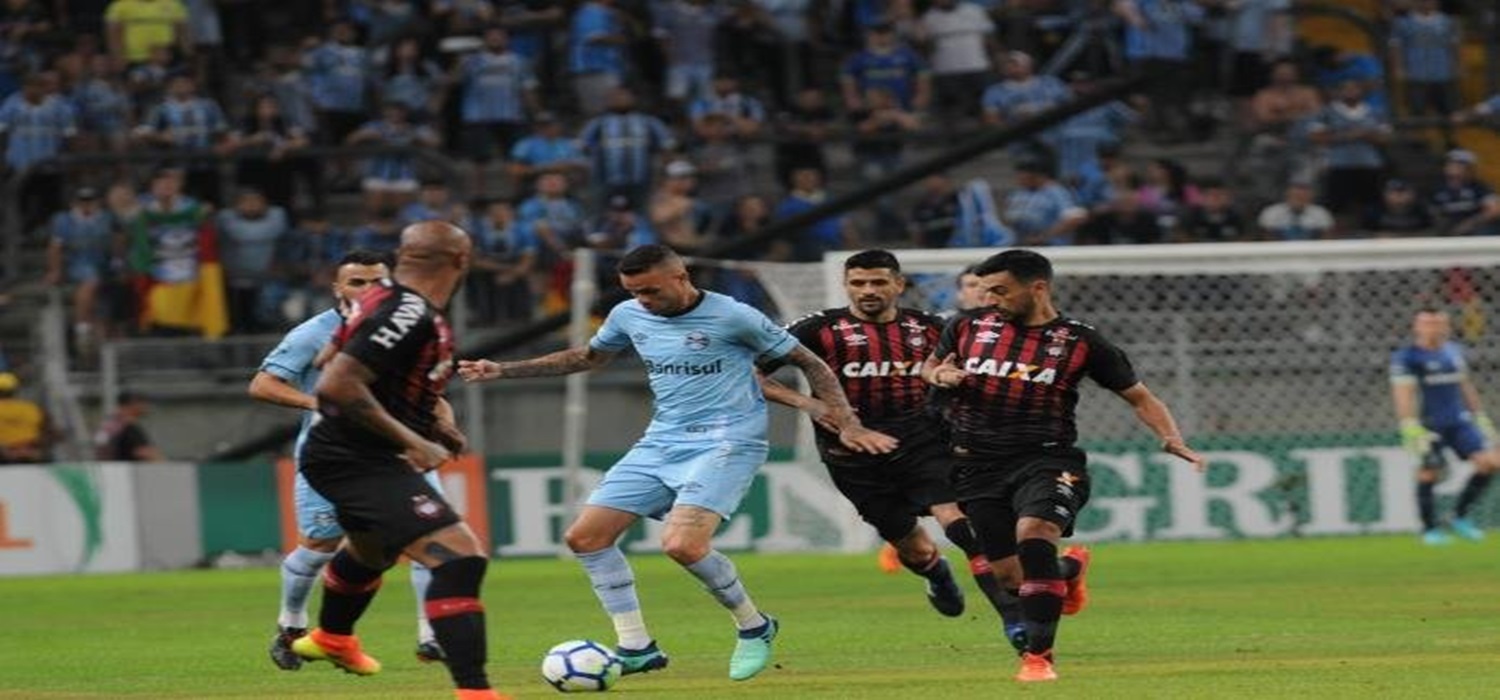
(581, 666)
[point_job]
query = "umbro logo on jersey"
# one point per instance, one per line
(986, 336)
(425, 507)
(1010, 370)
(856, 339)
(696, 340)
(639, 337)
(916, 341)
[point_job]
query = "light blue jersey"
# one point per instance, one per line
(292, 362)
(700, 364)
(707, 437)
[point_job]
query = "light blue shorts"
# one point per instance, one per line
(315, 517)
(654, 477)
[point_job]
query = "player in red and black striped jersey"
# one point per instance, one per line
(877, 349)
(1013, 368)
(375, 435)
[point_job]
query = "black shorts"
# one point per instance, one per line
(483, 141)
(995, 493)
(892, 492)
(378, 495)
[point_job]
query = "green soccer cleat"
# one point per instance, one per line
(753, 650)
(641, 660)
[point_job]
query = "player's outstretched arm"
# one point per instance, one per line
(270, 388)
(344, 391)
(552, 365)
(780, 393)
(1156, 416)
(825, 387)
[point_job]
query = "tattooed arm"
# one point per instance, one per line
(558, 363)
(825, 386)
(344, 391)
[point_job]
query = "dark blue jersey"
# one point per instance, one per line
(1438, 374)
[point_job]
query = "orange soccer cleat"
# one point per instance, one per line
(1036, 668)
(481, 694)
(890, 562)
(341, 650)
(1078, 590)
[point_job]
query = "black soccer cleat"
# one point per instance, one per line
(430, 652)
(943, 592)
(645, 660)
(281, 648)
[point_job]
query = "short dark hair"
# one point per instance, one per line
(1024, 265)
(365, 256)
(874, 259)
(644, 258)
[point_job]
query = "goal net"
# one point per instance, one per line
(1272, 356)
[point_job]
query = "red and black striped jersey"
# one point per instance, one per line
(879, 366)
(408, 345)
(1023, 381)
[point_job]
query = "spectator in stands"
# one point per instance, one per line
(435, 201)
(123, 203)
(147, 81)
(499, 286)
(1260, 35)
(726, 169)
(804, 129)
(1039, 210)
(1158, 42)
(391, 179)
(677, 217)
(1351, 133)
(745, 114)
(307, 260)
(684, 31)
(618, 229)
(888, 64)
(82, 244)
(249, 234)
(751, 213)
(1336, 67)
(385, 21)
(265, 142)
(1079, 139)
(1286, 101)
(1464, 204)
(121, 438)
(531, 24)
(25, 435)
(293, 90)
(882, 128)
(1215, 219)
(1166, 191)
(935, 212)
(1297, 217)
(546, 150)
(187, 122)
(1424, 58)
(381, 232)
(961, 43)
(37, 126)
(750, 48)
(1398, 213)
(134, 26)
(1021, 94)
(410, 77)
(623, 145)
(339, 74)
(596, 55)
(498, 89)
(557, 222)
(831, 233)
(166, 252)
(794, 25)
(979, 222)
(1123, 221)
(1095, 181)
(104, 111)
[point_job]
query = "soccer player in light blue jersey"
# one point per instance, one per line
(1439, 408)
(286, 378)
(706, 439)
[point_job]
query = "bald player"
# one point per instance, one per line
(375, 436)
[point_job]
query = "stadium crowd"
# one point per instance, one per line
(610, 123)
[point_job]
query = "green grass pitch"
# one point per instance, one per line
(1378, 617)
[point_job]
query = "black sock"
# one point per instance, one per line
(348, 588)
(1473, 489)
(1425, 505)
(1068, 568)
(1008, 605)
(457, 619)
(1041, 594)
(932, 569)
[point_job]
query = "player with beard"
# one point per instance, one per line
(877, 348)
(1014, 367)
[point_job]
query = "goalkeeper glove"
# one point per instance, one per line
(1486, 426)
(1414, 437)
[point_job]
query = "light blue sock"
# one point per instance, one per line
(614, 584)
(299, 572)
(421, 577)
(723, 582)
